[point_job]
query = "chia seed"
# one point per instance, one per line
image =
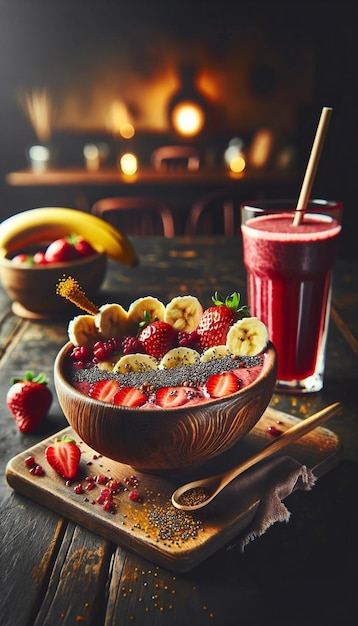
(174, 526)
(194, 496)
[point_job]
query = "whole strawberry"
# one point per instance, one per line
(216, 320)
(29, 400)
(61, 250)
(157, 338)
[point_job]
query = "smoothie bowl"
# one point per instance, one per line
(166, 405)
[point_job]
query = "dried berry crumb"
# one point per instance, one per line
(274, 432)
(134, 495)
(30, 461)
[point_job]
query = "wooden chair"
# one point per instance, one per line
(176, 157)
(213, 214)
(136, 216)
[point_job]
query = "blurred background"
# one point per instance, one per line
(87, 81)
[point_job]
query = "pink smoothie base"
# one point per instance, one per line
(288, 281)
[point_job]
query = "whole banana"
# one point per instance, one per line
(49, 223)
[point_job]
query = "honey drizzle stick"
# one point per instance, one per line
(69, 288)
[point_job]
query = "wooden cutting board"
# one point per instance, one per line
(151, 526)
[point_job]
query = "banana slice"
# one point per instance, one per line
(105, 366)
(184, 313)
(82, 331)
(247, 337)
(179, 357)
(154, 307)
(135, 363)
(112, 320)
(216, 352)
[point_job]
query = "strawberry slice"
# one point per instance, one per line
(64, 457)
(104, 390)
(130, 396)
(170, 397)
(220, 385)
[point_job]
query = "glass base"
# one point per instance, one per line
(311, 384)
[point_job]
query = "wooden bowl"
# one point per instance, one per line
(32, 289)
(159, 440)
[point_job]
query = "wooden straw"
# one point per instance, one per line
(312, 165)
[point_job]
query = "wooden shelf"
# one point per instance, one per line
(145, 176)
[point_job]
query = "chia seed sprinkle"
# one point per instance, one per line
(189, 375)
(173, 525)
(193, 496)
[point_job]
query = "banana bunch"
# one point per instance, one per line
(49, 223)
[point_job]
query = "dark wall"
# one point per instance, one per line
(53, 42)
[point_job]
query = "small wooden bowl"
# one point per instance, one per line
(32, 289)
(160, 440)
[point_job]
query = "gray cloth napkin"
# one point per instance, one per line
(270, 483)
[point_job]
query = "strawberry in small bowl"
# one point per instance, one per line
(38, 246)
(164, 388)
(30, 276)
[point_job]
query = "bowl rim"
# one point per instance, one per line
(63, 353)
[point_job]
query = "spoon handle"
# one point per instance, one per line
(290, 435)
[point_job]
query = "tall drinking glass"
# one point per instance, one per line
(289, 271)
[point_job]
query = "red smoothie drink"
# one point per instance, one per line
(289, 272)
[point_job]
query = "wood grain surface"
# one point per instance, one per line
(132, 525)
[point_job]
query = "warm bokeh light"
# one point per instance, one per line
(117, 116)
(233, 150)
(127, 130)
(237, 164)
(261, 148)
(91, 154)
(39, 158)
(188, 118)
(128, 163)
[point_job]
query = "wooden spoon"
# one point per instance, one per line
(199, 493)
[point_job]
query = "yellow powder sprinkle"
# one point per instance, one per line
(69, 288)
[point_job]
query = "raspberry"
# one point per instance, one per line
(103, 350)
(190, 340)
(132, 345)
(100, 351)
(81, 353)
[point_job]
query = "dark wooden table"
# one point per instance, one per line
(54, 571)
